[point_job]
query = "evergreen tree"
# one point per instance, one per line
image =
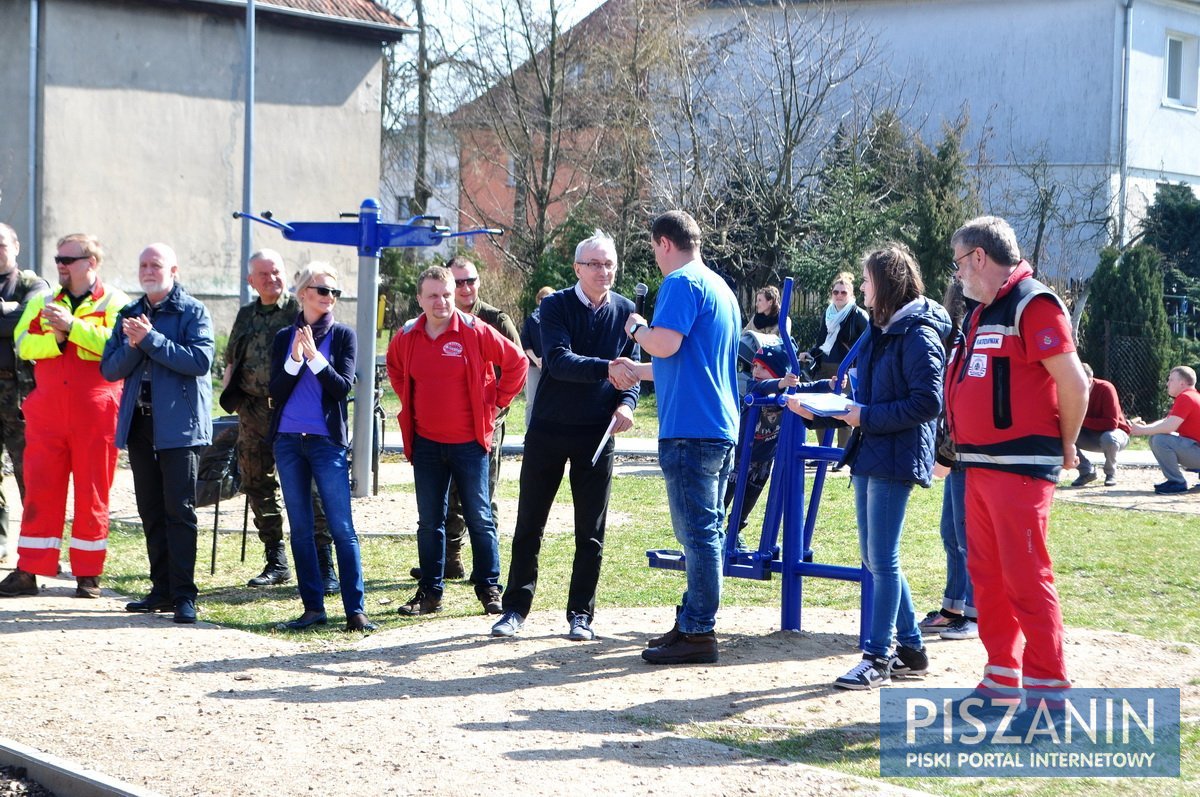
(1125, 334)
(942, 200)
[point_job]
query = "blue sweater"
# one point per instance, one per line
(336, 380)
(577, 346)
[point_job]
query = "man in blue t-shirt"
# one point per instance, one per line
(693, 343)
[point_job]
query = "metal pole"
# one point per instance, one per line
(364, 386)
(32, 236)
(248, 156)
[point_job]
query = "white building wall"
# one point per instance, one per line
(144, 132)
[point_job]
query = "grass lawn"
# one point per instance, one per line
(1135, 572)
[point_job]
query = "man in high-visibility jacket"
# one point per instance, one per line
(71, 419)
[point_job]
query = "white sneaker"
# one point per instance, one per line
(870, 673)
(964, 628)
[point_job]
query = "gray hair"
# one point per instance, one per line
(993, 235)
(1186, 373)
(267, 254)
(4, 228)
(599, 239)
(312, 271)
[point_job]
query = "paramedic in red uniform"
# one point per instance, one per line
(70, 421)
(1016, 395)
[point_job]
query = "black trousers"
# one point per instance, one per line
(546, 456)
(165, 485)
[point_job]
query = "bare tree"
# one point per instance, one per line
(752, 101)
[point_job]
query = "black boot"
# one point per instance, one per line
(329, 576)
(276, 571)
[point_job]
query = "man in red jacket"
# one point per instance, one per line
(442, 366)
(1015, 399)
(1104, 429)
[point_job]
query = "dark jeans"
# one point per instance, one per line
(165, 485)
(302, 460)
(434, 464)
(546, 455)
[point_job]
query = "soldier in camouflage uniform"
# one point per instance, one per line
(247, 376)
(466, 299)
(16, 375)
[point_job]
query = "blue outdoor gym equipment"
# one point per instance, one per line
(786, 505)
(369, 236)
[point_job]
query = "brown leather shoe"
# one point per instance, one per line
(489, 596)
(87, 587)
(421, 604)
(665, 639)
(686, 649)
(18, 583)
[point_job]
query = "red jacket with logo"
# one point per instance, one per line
(483, 348)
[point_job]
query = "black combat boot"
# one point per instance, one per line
(276, 571)
(329, 577)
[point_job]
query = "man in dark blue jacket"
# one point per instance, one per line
(163, 348)
(582, 332)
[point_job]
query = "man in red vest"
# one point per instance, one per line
(1016, 395)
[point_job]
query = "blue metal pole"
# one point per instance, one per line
(364, 385)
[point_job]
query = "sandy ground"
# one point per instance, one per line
(439, 705)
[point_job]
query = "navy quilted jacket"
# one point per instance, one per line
(900, 382)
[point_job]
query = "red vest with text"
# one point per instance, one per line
(1002, 404)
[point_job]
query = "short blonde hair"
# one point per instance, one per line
(306, 275)
(1186, 372)
(543, 293)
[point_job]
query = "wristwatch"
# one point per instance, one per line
(633, 332)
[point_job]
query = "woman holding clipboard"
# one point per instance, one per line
(899, 398)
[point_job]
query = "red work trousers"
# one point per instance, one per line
(1020, 621)
(69, 434)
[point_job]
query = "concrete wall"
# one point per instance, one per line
(14, 121)
(144, 132)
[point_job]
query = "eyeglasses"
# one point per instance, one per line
(954, 264)
(66, 260)
(841, 293)
(466, 281)
(596, 265)
(323, 291)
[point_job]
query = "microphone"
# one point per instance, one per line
(639, 303)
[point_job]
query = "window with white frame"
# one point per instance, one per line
(1181, 69)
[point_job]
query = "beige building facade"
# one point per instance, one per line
(125, 119)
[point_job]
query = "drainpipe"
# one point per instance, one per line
(1123, 142)
(32, 236)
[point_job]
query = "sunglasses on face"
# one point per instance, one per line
(66, 260)
(466, 281)
(841, 293)
(323, 291)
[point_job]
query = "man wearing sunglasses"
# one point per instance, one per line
(17, 287)
(466, 300)
(71, 419)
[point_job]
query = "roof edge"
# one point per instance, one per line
(383, 32)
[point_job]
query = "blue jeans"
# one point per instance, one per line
(300, 460)
(880, 505)
(959, 595)
(696, 472)
(434, 464)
